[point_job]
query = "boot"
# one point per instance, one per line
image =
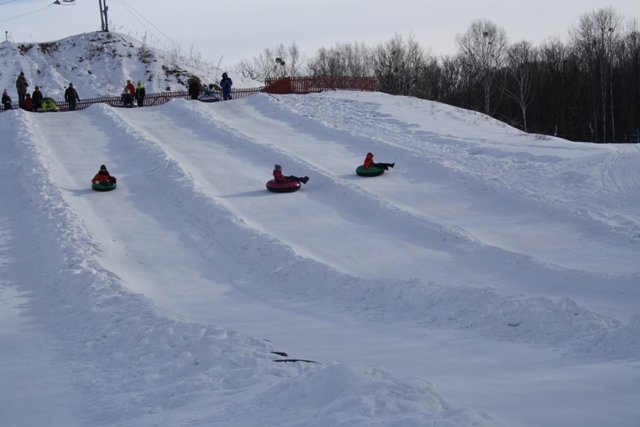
(305, 179)
(392, 164)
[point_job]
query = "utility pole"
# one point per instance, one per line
(103, 15)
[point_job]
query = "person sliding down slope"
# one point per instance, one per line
(369, 163)
(277, 175)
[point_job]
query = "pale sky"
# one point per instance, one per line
(234, 30)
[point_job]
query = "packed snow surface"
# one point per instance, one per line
(490, 278)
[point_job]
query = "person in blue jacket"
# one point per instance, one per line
(226, 84)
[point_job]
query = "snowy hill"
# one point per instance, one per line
(490, 278)
(99, 64)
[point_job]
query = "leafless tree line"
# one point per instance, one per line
(587, 89)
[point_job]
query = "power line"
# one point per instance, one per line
(25, 14)
(126, 5)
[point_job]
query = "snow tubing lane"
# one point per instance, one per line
(283, 187)
(360, 170)
(103, 187)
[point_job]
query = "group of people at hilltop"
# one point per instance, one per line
(36, 101)
(196, 89)
(131, 93)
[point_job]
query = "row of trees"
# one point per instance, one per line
(587, 89)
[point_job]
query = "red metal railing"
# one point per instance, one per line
(304, 85)
(287, 85)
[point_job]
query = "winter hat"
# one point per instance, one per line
(139, 82)
(277, 167)
(37, 88)
(103, 167)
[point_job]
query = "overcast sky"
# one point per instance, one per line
(233, 30)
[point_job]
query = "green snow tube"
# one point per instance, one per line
(360, 170)
(107, 186)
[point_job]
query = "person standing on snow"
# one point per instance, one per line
(132, 89)
(6, 100)
(226, 84)
(194, 88)
(140, 93)
(36, 98)
(71, 95)
(21, 86)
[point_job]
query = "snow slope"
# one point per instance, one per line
(490, 278)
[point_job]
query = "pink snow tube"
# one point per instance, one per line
(283, 187)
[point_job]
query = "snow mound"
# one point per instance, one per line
(344, 395)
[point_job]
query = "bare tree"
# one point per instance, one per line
(596, 38)
(397, 65)
(343, 59)
(247, 69)
(629, 58)
(521, 61)
(452, 80)
(483, 47)
(273, 63)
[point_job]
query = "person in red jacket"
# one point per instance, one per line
(369, 163)
(28, 102)
(277, 175)
(103, 177)
(131, 88)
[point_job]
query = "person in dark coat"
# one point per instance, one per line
(71, 96)
(226, 84)
(194, 88)
(140, 93)
(6, 100)
(21, 86)
(36, 98)
(127, 98)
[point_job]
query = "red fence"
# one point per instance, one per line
(304, 85)
(287, 85)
